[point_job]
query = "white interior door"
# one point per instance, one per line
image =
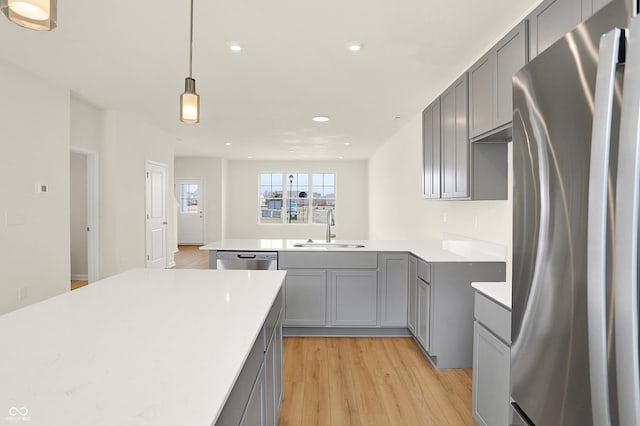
(190, 195)
(156, 214)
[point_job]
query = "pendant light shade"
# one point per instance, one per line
(189, 103)
(190, 100)
(39, 15)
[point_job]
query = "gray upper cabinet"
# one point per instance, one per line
(305, 298)
(354, 297)
(481, 95)
(511, 54)
(455, 140)
(490, 92)
(431, 126)
(393, 286)
(552, 19)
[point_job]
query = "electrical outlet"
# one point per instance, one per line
(22, 293)
(445, 217)
(475, 221)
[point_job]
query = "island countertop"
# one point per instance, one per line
(452, 249)
(146, 347)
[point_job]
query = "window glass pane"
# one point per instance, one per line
(329, 179)
(297, 210)
(320, 213)
(271, 198)
(276, 179)
(189, 198)
(317, 179)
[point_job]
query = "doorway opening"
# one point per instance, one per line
(83, 173)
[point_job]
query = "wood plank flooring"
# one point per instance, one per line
(191, 257)
(362, 381)
(75, 284)
(369, 381)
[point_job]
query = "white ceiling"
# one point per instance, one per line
(133, 56)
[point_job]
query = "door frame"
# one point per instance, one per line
(93, 208)
(147, 163)
(202, 205)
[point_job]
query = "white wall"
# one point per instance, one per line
(241, 200)
(123, 144)
(210, 170)
(398, 211)
(34, 227)
(78, 216)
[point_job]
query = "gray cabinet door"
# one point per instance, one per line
(431, 139)
(254, 413)
(305, 298)
(354, 297)
(551, 20)
(270, 381)
(510, 56)
(412, 299)
(279, 370)
(455, 140)
(491, 358)
(481, 95)
(393, 286)
(424, 314)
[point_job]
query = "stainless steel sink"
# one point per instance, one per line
(327, 245)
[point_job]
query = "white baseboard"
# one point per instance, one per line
(82, 277)
(171, 265)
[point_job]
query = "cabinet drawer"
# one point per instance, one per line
(327, 260)
(424, 271)
(493, 316)
(272, 319)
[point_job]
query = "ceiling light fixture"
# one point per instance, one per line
(235, 46)
(227, 143)
(347, 143)
(39, 15)
(354, 46)
(190, 100)
(321, 118)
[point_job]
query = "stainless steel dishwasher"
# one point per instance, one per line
(251, 260)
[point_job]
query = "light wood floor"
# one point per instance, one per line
(75, 284)
(362, 381)
(369, 381)
(191, 257)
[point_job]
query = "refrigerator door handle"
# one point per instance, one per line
(609, 57)
(625, 272)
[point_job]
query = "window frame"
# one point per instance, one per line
(285, 197)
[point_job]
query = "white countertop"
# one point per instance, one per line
(449, 250)
(146, 347)
(498, 291)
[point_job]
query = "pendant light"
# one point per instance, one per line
(39, 15)
(190, 100)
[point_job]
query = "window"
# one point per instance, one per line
(296, 197)
(189, 198)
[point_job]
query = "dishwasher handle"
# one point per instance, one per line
(246, 256)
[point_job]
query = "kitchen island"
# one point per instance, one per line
(146, 347)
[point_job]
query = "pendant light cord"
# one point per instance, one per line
(191, 42)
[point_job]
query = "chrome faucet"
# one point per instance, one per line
(330, 221)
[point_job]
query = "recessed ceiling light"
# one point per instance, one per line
(249, 157)
(340, 158)
(321, 118)
(354, 46)
(227, 143)
(178, 139)
(347, 143)
(235, 46)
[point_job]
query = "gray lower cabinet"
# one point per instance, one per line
(393, 275)
(354, 297)
(254, 413)
(305, 297)
(424, 314)
(412, 299)
(256, 396)
(445, 305)
(491, 363)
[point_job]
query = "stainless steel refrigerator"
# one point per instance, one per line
(576, 154)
